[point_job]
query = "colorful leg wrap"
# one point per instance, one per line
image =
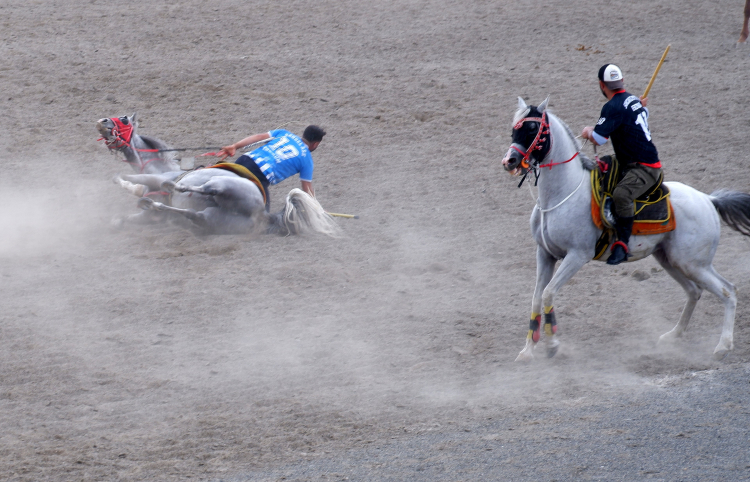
(534, 334)
(550, 323)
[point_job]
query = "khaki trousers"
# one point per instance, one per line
(637, 180)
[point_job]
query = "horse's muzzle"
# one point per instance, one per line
(104, 126)
(512, 161)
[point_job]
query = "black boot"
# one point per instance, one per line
(620, 248)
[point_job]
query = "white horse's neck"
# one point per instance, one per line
(558, 181)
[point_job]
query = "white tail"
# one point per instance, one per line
(304, 211)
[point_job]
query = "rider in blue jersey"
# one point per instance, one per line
(283, 156)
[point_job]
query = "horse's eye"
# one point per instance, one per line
(532, 126)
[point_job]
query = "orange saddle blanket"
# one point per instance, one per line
(653, 210)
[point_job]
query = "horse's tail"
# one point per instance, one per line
(303, 212)
(734, 209)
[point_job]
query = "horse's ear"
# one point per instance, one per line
(543, 105)
(521, 104)
(134, 121)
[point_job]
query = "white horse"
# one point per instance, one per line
(218, 201)
(562, 227)
(145, 154)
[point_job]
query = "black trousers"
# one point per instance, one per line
(251, 166)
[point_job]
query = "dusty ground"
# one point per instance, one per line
(151, 353)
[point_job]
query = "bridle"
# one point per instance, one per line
(120, 137)
(120, 134)
(538, 143)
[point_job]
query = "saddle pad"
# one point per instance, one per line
(653, 210)
(243, 172)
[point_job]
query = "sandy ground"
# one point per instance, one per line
(150, 353)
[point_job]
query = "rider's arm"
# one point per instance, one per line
(308, 188)
(588, 133)
(251, 140)
(597, 139)
(228, 151)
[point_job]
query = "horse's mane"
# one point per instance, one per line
(154, 143)
(586, 162)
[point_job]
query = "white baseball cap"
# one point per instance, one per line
(611, 73)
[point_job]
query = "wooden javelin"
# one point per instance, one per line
(653, 77)
(350, 216)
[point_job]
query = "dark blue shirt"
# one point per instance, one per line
(625, 121)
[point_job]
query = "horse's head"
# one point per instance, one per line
(531, 140)
(117, 132)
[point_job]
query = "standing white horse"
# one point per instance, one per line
(562, 227)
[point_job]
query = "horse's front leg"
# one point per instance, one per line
(152, 181)
(545, 268)
(138, 190)
(569, 266)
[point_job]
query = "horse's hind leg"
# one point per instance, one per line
(211, 219)
(709, 279)
(693, 293)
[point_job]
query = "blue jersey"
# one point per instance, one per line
(284, 156)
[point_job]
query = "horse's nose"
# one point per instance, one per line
(511, 160)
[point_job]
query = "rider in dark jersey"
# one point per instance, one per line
(624, 119)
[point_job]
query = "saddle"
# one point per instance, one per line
(243, 172)
(653, 210)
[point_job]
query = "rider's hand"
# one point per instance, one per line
(227, 151)
(644, 101)
(586, 133)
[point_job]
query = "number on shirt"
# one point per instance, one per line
(283, 152)
(641, 121)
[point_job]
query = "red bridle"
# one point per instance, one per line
(538, 140)
(121, 135)
(537, 145)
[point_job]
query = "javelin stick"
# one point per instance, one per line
(653, 77)
(350, 216)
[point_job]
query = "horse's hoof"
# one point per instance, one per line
(668, 337)
(117, 222)
(525, 357)
(719, 355)
(145, 203)
(722, 351)
(552, 350)
(116, 179)
(168, 186)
